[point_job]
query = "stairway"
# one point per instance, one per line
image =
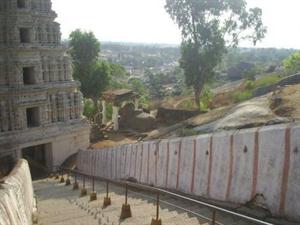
(60, 205)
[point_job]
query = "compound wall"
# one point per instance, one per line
(16, 196)
(233, 166)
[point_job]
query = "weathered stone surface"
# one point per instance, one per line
(136, 119)
(252, 113)
(174, 115)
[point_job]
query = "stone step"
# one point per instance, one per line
(58, 204)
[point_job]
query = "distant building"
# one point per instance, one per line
(40, 103)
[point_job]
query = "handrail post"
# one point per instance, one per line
(93, 195)
(68, 181)
(75, 185)
(62, 179)
(214, 214)
(157, 221)
(107, 200)
(56, 177)
(83, 191)
(126, 211)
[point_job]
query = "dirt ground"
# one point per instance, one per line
(114, 139)
(286, 102)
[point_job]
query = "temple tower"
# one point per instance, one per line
(40, 103)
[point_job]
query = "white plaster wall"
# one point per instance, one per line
(173, 163)
(67, 145)
(293, 192)
(232, 166)
(202, 165)
(243, 147)
(271, 161)
(16, 196)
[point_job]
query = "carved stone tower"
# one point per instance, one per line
(40, 104)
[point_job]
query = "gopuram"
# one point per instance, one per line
(40, 103)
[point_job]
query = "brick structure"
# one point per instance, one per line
(40, 104)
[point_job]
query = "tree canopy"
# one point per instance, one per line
(208, 28)
(93, 74)
(292, 63)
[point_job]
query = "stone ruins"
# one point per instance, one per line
(40, 103)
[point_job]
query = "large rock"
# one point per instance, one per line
(136, 119)
(253, 113)
(174, 115)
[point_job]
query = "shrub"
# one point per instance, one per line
(88, 108)
(249, 85)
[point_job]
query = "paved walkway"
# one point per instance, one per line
(60, 205)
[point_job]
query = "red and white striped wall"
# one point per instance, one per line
(232, 166)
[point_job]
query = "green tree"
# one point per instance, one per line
(119, 76)
(93, 74)
(208, 28)
(292, 63)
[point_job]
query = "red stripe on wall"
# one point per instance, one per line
(178, 164)
(156, 162)
(148, 163)
(141, 162)
(135, 160)
(130, 162)
(194, 166)
(210, 165)
(125, 161)
(167, 167)
(286, 170)
(255, 163)
(231, 154)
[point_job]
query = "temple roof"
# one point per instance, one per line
(119, 95)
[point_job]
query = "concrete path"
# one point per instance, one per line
(60, 205)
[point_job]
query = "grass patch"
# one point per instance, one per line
(266, 81)
(187, 132)
(240, 96)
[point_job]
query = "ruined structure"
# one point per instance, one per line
(40, 104)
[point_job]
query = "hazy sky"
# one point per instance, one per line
(147, 21)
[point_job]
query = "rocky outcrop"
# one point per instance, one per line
(253, 113)
(290, 80)
(174, 115)
(136, 119)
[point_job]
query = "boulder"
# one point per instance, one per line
(136, 119)
(174, 115)
(252, 113)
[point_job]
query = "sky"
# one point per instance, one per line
(146, 21)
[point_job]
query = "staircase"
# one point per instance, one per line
(59, 204)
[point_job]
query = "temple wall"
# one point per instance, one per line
(16, 196)
(233, 166)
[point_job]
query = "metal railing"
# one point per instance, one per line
(158, 191)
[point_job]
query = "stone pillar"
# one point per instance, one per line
(115, 117)
(104, 119)
(62, 103)
(136, 103)
(53, 108)
(78, 104)
(45, 68)
(72, 106)
(4, 119)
